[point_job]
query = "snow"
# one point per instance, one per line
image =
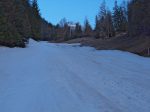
(48, 77)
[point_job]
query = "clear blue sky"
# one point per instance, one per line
(73, 10)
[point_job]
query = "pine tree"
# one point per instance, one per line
(36, 21)
(9, 36)
(103, 11)
(139, 16)
(104, 24)
(35, 8)
(87, 28)
(110, 32)
(102, 20)
(21, 19)
(119, 18)
(78, 31)
(97, 27)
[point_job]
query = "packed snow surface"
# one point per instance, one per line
(48, 77)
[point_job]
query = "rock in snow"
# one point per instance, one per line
(68, 78)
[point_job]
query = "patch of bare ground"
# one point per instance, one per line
(138, 45)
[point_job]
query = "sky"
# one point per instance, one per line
(73, 10)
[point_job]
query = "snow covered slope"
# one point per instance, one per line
(67, 78)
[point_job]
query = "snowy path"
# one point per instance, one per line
(68, 78)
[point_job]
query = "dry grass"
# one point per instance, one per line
(137, 45)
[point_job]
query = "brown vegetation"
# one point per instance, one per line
(137, 45)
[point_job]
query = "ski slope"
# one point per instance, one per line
(68, 78)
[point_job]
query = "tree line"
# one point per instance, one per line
(131, 17)
(21, 20)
